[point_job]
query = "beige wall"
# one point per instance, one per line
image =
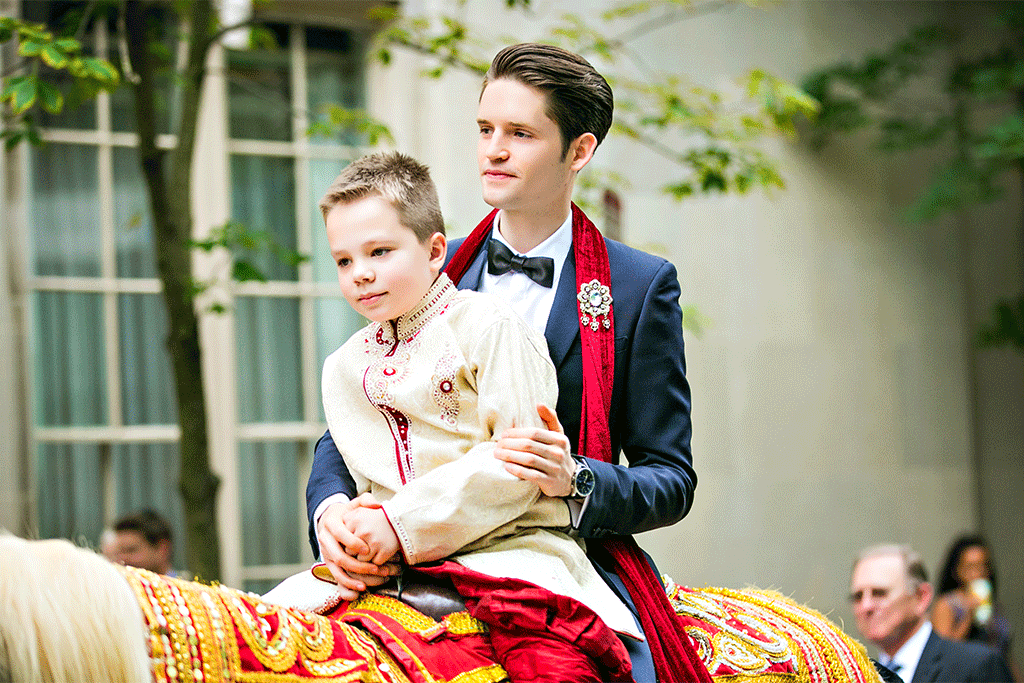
(833, 392)
(996, 257)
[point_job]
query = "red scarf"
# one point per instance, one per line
(675, 658)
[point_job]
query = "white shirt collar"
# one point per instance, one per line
(908, 656)
(556, 246)
(530, 300)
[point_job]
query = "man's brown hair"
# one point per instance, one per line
(404, 182)
(579, 99)
(149, 523)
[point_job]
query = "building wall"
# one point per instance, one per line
(995, 253)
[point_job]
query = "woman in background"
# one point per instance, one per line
(966, 608)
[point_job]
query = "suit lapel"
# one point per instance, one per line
(475, 272)
(559, 332)
(930, 665)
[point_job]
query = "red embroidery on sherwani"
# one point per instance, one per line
(446, 391)
(381, 374)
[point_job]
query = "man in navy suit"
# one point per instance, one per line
(542, 113)
(891, 597)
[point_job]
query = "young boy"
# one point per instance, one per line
(415, 402)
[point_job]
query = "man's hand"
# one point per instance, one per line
(353, 575)
(539, 455)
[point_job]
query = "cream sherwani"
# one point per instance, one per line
(415, 407)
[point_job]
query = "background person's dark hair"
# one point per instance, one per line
(579, 98)
(948, 580)
(149, 523)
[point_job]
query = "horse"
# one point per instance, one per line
(67, 614)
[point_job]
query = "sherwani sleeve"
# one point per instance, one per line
(462, 501)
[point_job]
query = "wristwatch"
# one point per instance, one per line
(582, 481)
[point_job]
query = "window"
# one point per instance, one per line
(103, 428)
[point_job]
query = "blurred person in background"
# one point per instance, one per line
(890, 596)
(143, 539)
(966, 608)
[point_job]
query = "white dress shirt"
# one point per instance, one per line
(906, 658)
(527, 298)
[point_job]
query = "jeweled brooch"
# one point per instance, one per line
(595, 304)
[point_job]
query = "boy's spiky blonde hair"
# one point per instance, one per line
(404, 182)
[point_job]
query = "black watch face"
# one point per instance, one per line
(584, 482)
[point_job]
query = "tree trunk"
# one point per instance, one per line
(168, 182)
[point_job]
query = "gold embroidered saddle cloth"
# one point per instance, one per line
(757, 635)
(215, 634)
(212, 634)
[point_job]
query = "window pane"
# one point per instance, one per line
(259, 92)
(133, 225)
(269, 381)
(263, 199)
(70, 373)
(64, 220)
(272, 513)
(335, 72)
(147, 391)
(146, 476)
(322, 173)
(70, 490)
(335, 323)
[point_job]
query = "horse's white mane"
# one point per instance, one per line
(67, 614)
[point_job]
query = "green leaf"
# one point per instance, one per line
(53, 56)
(1007, 326)
(29, 48)
(243, 271)
(262, 38)
(24, 95)
(320, 129)
(101, 70)
(713, 182)
(694, 321)
(679, 191)
(13, 138)
(68, 44)
(76, 67)
(50, 97)
(12, 85)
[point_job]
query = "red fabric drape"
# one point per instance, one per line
(675, 658)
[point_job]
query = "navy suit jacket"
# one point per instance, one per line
(950, 661)
(650, 409)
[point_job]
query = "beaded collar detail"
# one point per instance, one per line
(430, 306)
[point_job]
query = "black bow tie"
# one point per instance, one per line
(500, 259)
